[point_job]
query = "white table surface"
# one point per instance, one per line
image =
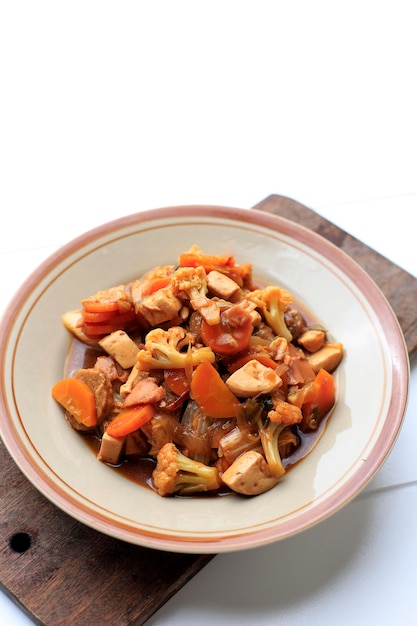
(111, 108)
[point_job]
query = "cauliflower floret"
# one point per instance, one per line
(163, 350)
(189, 283)
(280, 417)
(272, 303)
(285, 413)
(176, 473)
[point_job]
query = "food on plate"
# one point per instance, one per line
(212, 382)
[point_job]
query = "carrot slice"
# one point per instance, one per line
(321, 396)
(208, 261)
(153, 285)
(224, 338)
(129, 420)
(78, 399)
(99, 316)
(96, 306)
(211, 393)
(262, 358)
(120, 321)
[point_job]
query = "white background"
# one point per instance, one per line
(108, 108)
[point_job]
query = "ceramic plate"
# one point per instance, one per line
(372, 381)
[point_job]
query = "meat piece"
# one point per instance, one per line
(145, 391)
(76, 425)
(106, 365)
(101, 385)
(239, 314)
(209, 309)
(136, 445)
(131, 381)
(160, 430)
(295, 323)
(263, 331)
(299, 370)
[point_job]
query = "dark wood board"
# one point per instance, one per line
(71, 574)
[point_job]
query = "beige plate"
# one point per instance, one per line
(372, 381)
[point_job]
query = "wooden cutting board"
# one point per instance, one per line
(60, 572)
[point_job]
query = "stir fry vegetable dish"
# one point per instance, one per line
(214, 378)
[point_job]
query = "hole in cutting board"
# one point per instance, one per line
(20, 542)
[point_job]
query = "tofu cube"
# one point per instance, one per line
(111, 449)
(121, 347)
(221, 285)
